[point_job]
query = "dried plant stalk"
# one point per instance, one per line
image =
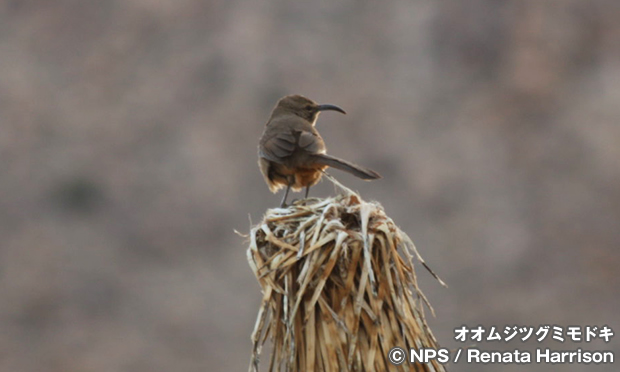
(339, 288)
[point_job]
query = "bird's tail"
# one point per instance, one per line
(343, 165)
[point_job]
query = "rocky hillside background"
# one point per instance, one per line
(128, 133)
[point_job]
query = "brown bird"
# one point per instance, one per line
(291, 152)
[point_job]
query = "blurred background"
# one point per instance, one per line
(128, 134)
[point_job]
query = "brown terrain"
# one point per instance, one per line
(128, 157)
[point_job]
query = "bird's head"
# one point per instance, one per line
(303, 107)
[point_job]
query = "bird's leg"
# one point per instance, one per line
(307, 191)
(288, 187)
(283, 202)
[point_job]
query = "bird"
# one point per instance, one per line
(292, 153)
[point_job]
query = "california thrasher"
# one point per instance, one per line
(291, 152)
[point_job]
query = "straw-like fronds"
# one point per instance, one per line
(339, 288)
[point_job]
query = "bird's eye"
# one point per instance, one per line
(308, 107)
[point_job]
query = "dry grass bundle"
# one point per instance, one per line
(339, 288)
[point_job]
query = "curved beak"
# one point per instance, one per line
(330, 107)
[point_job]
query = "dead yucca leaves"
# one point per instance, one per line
(339, 288)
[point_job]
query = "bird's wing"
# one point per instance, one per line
(278, 146)
(287, 135)
(311, 143)
(283, 144)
